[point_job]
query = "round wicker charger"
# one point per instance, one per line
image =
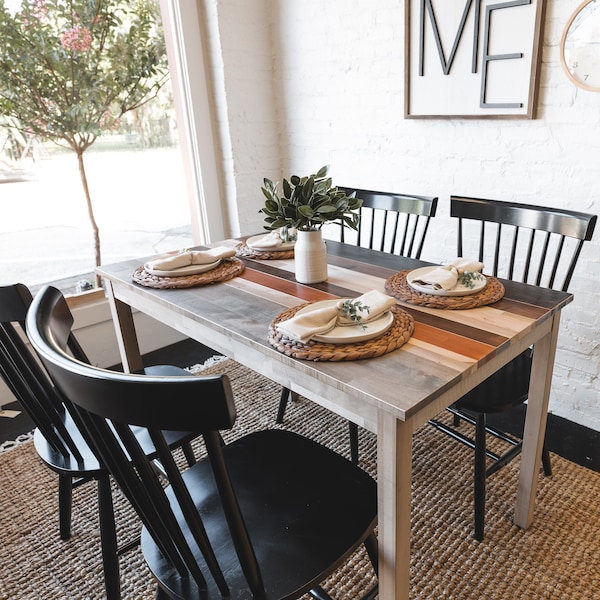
(397, 335)
(245, 250)
(227, 269)
(398, 287)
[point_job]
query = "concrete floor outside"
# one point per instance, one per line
(140, 206)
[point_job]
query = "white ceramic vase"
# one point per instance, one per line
(310, 257)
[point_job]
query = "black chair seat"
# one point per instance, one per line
(298, 516)
(68, 465)
(504, 390)
(89, 466)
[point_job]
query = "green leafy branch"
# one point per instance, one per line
(353, 308)
(306, 203)
(470, 278)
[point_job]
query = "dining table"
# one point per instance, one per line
(392, 387)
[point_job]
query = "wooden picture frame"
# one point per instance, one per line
(472, 58)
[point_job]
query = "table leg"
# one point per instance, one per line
(535, 424)
(394, 473)
(125, 330)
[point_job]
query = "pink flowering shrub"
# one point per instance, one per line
(40, 8)
(109, 121)
(116, 63)
(77, 39)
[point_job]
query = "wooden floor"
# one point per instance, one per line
(572, 441)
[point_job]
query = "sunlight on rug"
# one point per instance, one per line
(557, 557)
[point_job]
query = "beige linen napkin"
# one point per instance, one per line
(440, 278)
(446, 277)
(463, 265)
(320, 320)
(190, 257)
(272, 240)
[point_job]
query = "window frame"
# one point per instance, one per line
(187, 65)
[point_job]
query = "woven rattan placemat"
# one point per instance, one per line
(398, 287)
(227, 269)
(245, 250)
(397, 335)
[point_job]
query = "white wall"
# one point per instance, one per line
(241, 39)
(306, 82)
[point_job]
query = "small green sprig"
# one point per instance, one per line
(470, 278)
(352, 310)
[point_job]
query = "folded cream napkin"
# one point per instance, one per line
(440, 278)
(463, 265)
(190, 257)
(274, 239)
(377, 304)
(319, 320)
(446, 276)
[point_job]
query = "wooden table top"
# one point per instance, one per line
(446, 347)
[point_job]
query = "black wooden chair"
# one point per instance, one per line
(520, 242)
(391, 223)
(269, 515)
(58, 436)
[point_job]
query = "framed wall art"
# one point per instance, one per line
(472, 58)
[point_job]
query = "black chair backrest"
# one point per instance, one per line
(109, 402)
(26, 378)
(392, 223)
(522, 242)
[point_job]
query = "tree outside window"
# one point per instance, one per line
(71, 69)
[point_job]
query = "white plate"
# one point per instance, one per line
(458, 290)
(189, 270)
(254, 243)
(349, 334)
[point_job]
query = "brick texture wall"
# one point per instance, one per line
(303, 83)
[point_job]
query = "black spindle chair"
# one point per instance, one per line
(521, 242)
(59, 437)
(269, 515)
(391, 223)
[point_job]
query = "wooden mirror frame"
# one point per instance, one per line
(563, 41)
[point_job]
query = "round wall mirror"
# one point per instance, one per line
(580, 46)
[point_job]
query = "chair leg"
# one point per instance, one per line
(188, 452)
(108, 539)
(479, 476)
(373, 551)
(65, 502)
(285, 396)
(546, 461)
(353, 432)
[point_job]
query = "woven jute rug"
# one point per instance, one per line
(558, 557)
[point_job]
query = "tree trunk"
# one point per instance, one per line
(90, 209)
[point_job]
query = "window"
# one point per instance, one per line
(137, 185)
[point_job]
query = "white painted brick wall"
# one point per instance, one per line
(309, 82)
